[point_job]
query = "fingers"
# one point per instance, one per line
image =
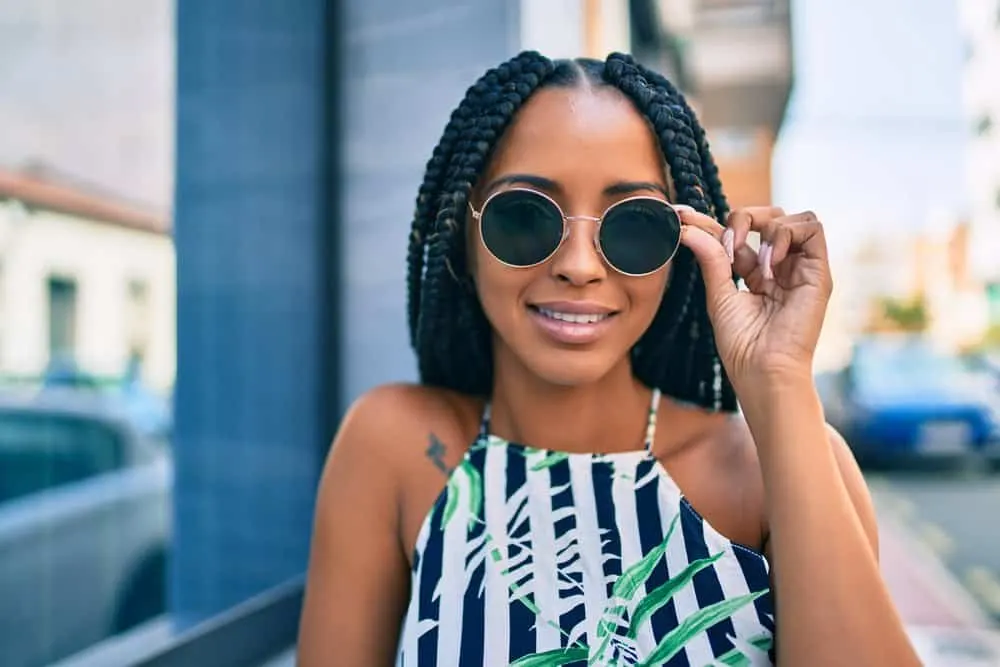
(716, 270)
(742, 257)
(797, 232)
(780, 234)
(743, 220)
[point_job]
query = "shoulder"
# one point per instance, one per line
(388, 420)
(394, 427)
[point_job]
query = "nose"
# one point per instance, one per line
(577, 261)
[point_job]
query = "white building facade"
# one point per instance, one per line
(85, 278)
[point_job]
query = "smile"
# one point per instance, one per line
(577, 318)
(572, 324)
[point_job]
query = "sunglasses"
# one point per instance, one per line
(522, 228)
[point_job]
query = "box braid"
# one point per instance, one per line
(448, 329)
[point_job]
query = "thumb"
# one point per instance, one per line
(716, 269)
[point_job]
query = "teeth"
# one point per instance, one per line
(576, 318)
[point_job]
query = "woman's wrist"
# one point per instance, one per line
(768, 388)
(782, 405)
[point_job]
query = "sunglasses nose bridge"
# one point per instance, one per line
(578, 258)
(569, 220)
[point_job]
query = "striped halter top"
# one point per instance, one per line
(541, 558)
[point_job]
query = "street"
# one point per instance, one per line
(940, 555)
(955, 515)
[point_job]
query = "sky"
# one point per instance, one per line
(874, 135)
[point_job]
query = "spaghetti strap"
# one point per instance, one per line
(654, 403)
(484, 422)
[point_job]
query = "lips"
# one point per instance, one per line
(572, 323)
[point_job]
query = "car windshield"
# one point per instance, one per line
(908, 367)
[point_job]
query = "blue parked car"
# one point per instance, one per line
(901, 398)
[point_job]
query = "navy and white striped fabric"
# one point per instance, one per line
(539, 558)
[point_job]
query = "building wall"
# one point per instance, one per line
(981, 93)
(101, 259)
(743, 156)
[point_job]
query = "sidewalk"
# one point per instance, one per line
(946, 625)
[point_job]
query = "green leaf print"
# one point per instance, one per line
(739, 658)
(475, 492)
(636, 575)
(553, 658)
(662, 595)
(694, 625)
(624, 590)
(550, 460)
(451, 502)
(474, 486)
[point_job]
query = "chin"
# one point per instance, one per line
(571, 368)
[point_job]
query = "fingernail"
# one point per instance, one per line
(764, 258)
(727, 241)
(684, 207)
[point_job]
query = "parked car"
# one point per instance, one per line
(84, 525)
(902, 398)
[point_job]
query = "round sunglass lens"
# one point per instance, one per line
(521, 228)
(639, 236)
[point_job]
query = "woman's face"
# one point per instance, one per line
(586, 149)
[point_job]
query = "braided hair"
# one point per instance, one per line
(448, 328)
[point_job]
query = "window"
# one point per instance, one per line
(137, 316)
(62, 317)
(41, 451)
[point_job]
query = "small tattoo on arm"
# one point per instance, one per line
(435, 452)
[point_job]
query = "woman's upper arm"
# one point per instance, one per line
(358, 578)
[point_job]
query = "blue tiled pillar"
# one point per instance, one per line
(251, 231)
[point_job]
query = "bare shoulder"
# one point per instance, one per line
(393, 424)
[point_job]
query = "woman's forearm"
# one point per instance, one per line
(833, 605)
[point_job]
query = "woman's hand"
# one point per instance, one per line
(773, 327)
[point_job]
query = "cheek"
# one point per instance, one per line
(499, 287)
(646, 294)
(654, 286)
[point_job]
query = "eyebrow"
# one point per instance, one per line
(548, 185)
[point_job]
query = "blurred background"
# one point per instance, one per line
(204, 209)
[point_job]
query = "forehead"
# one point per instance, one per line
(582, 138)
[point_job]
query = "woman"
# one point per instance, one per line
(572, 483)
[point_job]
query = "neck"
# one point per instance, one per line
(601, 417)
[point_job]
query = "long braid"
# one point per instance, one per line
(448, 328)
(725, 394)
(426, 204)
